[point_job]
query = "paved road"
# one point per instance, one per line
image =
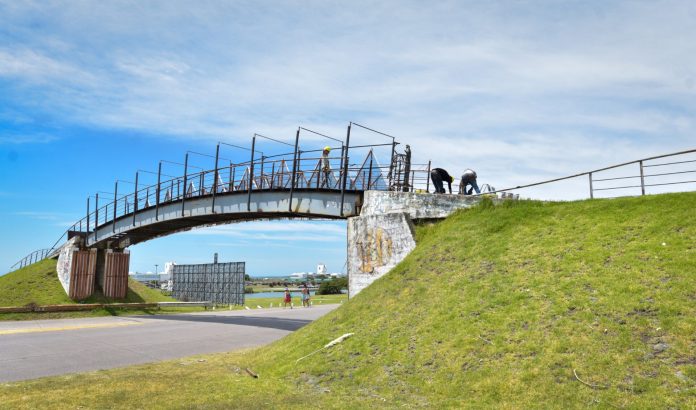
(31, 349)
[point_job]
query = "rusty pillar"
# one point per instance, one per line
(115, 279)
(82, 273)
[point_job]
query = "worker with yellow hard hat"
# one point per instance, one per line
(326, 167)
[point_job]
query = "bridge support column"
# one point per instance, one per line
(376, 244)
(382, 236)
(76, 269)
(112, 272)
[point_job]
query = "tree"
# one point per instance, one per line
(333, 287)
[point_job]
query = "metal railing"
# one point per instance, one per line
(638, 178)
(292, 171)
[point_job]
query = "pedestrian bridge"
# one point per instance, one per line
(298, 184)
(227, 207)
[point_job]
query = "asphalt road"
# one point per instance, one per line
(32, 349)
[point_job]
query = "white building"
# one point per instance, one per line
(169, 267)
(299, 275)
(321, 269)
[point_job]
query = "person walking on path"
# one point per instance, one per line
(469, 178)
(287, 300)
(438, 175)
(326, 166)
(305, 296)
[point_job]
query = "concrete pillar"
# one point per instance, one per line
(376, 244)
(76, 269)
(382, 236)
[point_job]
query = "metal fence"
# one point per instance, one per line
(221, 283)
(658, 174)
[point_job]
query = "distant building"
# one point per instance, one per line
(321, 269)
(169, 267)
(299, 275)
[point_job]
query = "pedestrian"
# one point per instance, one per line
(325, 166)
(305, 296)
(469, 178)
(438, 175)
(287, 300)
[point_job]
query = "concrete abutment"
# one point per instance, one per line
(81, 270)
(383, 234)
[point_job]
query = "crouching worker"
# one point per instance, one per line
(468, 178)
(438, 175)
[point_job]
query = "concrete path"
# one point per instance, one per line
(31, 349)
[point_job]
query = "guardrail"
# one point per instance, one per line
(91, 306)
(642, 176)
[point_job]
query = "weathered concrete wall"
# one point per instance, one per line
(382, 236)
(65, 262)
(376, 243)
(416, 206)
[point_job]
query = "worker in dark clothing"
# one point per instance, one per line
(469, 178)
(438, 175)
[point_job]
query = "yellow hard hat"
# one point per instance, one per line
(327, 148)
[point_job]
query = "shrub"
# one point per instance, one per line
(333, 287)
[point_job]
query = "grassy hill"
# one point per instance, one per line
(524, 305)
(38, 283)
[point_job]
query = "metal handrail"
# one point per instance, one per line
(205, 182)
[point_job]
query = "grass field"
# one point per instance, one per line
(38, 284)
(524, 305)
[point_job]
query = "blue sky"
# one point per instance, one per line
(520, 91)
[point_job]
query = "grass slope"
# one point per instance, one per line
(497, 307)
(38, 283)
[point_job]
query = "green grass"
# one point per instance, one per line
(38, 283)
(296, 300)
(497, 307)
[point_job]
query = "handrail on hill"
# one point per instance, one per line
(642, 175)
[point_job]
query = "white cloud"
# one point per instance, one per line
(518, 91)
(15, 139)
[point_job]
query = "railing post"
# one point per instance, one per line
(391, 162)
(96, 215)
(369, 173)
(183, 197)
(345, 168)
(427, 179)
(294, 169)
(591, 190)
(340, 166)
(251, 172)
(233, 171)
(320, 171)
(113, 227)
(135, 198)
(157, 200)
(261, 177)
(272, 175)
(642, 179)
(215, 177)
(88, 215)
